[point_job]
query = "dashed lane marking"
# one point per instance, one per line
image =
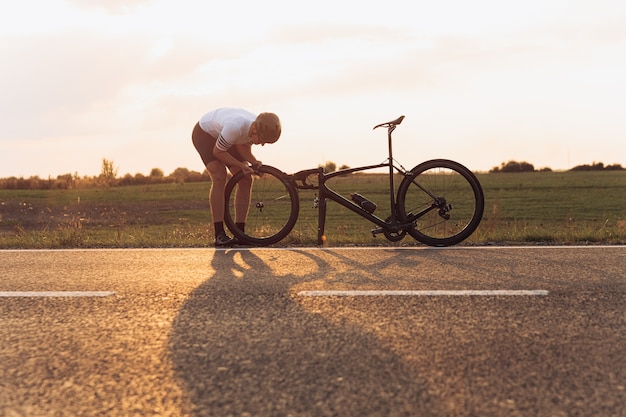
(35, 294)
(429, 293)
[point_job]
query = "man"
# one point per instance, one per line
(224, 139)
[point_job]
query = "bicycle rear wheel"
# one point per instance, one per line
(272, 210)
(444, 199)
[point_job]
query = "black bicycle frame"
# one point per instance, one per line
(325, 193)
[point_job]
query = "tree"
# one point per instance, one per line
(180, 175)
(597, 166)
(66, 181)
(514, 166)
(156, 173)
(329, 166)
(108, 172)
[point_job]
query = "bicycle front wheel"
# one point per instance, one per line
(443, 199)
(270, 212)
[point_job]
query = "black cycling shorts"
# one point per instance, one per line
(205, 143)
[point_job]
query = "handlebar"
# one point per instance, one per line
(304, 178)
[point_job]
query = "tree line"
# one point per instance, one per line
(108, 176)
(515, 166)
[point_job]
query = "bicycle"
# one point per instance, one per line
(439, 202)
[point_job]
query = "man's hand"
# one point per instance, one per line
(256, 165)
(247, 169)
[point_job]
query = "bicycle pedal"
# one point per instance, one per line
(377, 231)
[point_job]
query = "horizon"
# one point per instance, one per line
(380, 171)
(482, 84)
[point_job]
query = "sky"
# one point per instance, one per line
(481, 82)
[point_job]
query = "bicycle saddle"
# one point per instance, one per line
(392, 123)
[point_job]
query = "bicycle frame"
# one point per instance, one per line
(326, 193)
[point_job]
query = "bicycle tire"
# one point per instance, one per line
(271, 212)
(448, 196)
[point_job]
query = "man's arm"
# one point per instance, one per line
(245, 151)
(230, 160)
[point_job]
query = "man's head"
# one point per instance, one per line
(268, 127)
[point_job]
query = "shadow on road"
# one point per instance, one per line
(240, 345)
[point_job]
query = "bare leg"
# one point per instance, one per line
(242, 199)
(217, 171)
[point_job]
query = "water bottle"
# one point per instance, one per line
(367, 205)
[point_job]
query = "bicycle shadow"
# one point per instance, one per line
(240, 345)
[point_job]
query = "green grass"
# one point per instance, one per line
(569, 207)
(541, 207)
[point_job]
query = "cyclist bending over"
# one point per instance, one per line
(224, 138)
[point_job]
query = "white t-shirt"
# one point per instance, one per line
(229, 125)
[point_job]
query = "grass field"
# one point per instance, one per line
(538, 207)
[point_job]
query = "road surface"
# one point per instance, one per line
(484, 331)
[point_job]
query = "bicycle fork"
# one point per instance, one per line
(300, 181)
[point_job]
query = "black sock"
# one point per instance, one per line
(219, 228)
(241, 226)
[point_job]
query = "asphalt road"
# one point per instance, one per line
(240, 332)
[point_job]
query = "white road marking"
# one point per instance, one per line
(369, 293)
(56, 293)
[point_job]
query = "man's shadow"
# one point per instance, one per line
(240, 345)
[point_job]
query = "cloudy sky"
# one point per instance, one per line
(481, 82)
